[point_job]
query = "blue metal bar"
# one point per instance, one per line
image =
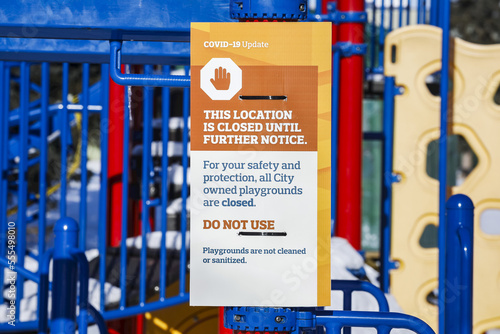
(408, 9)
(335, 135)
(97, 317)
(149, 307)
(347, 307)
(443, 164)
(459, 264)
(385, 228)
(381, 35)
(373, 37)
(125, 183)
(426, 20)
(434, 19)
(34, 114)
(400, 14)
(42, 204)
(64, 277)
(419, 11)
(43, 292)
(137, 79)
(146, 156)
(350, 286)
(378, 136)
(80, 257)
(391, 14)
(84, 32)
(4, 139)
(103, 192)
(20, 327)
(33, 86)
(165, 132)
(339, 319)
(184, 190)
(64, 124)
(4, 263)
(83, 162)
(23, 182)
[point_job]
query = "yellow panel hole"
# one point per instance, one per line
(461, 160)
(432, 82)
(429, 238)
(496, 97)
(432, 297)
(489, 221)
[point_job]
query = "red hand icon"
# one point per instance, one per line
(222, 79)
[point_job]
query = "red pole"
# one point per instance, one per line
(350, 130)
(222, 329)
(115, 161)
(115, 171)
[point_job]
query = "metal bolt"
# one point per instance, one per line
(302, 8)
(241, 5)
(342, 17)
(237, 318)
(279, 319)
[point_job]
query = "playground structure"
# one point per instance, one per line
(144, 149)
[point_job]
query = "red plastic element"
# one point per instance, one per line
(222, 329)
(350, 130)
(115, 159)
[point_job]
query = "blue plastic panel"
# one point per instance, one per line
(53, 30)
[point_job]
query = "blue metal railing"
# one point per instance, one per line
(348, 287)
(263, 319)
(382, 321)
(383, 19)
(42, 116)
(444, 92)
(68, 260)
(147, 79)
(459, 227)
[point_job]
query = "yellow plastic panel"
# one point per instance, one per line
(476, 77)
(182, 318)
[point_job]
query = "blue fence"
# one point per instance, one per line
(34, 172)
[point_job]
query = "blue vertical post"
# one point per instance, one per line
(23, 182)
(408, 9)
(184, 190)
(64, 123)
(443, 148)
(335, 135)
(83, 165)
(459, 265)
(373, 28)
(391, 14)
(4, 137)
(165, 129)
(64, 277)
(147, 130)
(385, 233)
(103, 191)
(400, 14)
(42, 205)
(434, 19)
(381, 36)
(419, 11)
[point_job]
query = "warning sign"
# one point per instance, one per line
(260, 164)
